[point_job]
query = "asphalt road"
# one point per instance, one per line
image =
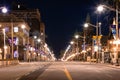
(60, 71)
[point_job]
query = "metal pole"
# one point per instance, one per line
(99, 44)
(12, 38)
(17, 51)
(4, 43)
(77, 47)
(84, 44)
(116, 20)
(98, 32)
(117, 31)
(97, 25)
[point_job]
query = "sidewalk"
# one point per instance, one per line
(105, 64)
(8, 63)
(110, 65)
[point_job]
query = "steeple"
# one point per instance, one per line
(87, 18)
(88, 32)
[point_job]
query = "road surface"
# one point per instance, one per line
(60, 71)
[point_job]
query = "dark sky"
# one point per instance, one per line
(62, 18)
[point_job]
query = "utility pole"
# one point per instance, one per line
(117, 31)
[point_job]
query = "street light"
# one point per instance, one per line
(35, 37)
(23, 26)
(39, 40)
(89, 24)
(96, 26)
(104, 6)
(100, 8)
(117, 29)
(72, 42)
(4, 9)
(76, 36)
(77, 50)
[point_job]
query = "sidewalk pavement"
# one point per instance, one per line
(111, 65)
(107, 64)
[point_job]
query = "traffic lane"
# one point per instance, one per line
(93, 72)
(14, 72)
(54, 72)
(35, 74)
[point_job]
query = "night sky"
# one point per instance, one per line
(62, 18)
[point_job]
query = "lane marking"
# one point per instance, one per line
(67, 74)
(109, 75)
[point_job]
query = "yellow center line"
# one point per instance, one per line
(67, 74)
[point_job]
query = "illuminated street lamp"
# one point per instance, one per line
(96, 26)
(89, 24)
(117, 30)
(72, 42)
(76, 36)
(39, 40)
(35, 37)
(4, 9)
(23, 26)
(86, 25)
(77, 49)
(100, 8)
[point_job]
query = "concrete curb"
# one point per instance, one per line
(8, 63)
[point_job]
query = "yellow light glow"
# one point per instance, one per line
(0, 50)
(23, 26)
(83, 51)
(34, 53)
(110, 42)
(114, 49)
(116, 42)
(39, 40)
(106, 49)
(5, 47)
(96, 48)
(114, 23)
(89, 48)
(76, 36)
(72, 42)
(0, 25)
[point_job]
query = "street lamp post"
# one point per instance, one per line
(117, 35)
(4, 43)
(98, 31)
(97, 44)
(4, 10)
(117, 29)
(84, 46)
(77, 49)
(12, 43)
